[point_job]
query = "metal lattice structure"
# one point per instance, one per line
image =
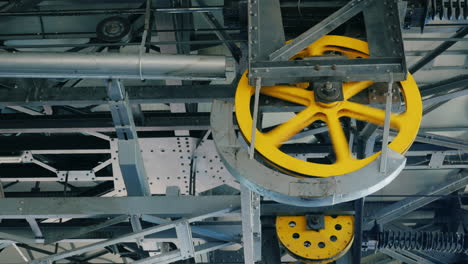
(119, 144)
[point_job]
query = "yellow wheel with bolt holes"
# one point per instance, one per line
(316, 246)
(268, 143)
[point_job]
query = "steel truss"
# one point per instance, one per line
(118, 223)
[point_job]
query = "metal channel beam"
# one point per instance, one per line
(375, 69)
(266, 32)
(251, 226)
(209, 229)
(85, 207)
(113, 66)
(130, 158)
(117, 11)
(101, 123)
(405, 206)
(40, 96)
(383, 30)
(437, 140)
(444, 86)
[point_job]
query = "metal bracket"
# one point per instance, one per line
(77, 176)
(184, 235)
(251, 225)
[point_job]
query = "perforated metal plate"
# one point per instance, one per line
(167, 163)
(209, 169)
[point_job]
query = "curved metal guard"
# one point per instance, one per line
(283, 188)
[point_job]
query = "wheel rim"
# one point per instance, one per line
(268, 143)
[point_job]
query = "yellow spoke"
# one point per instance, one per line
(338, 138)
(289, 93)
(370, 114)
(287, 130)
(350, 89)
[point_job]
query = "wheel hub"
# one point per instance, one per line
(328, 92)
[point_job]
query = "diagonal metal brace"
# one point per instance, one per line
(406, 206)
(313, 34)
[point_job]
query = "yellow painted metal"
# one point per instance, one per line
(323, 246)
(268, 143)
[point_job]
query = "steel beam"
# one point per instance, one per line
(444, 86)
(118, 11)
(437, 140)
(85, 207)
(375, 69)
(358, 227)
(130, 158)
(405, 206)
(113, 66)
(438, 50)
(251, 226)
(231, 231)
(50, 239)
(203, 231)
(436, 101)
(131, 236)
(266, 32)
(442, 141)
(40, 96)
(101, 123)
(398, 256)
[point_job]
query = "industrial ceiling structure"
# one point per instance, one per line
(234, 131)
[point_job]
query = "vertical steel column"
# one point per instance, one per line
(130, 159)
(358, 222)
(251, 225)
(266, 32)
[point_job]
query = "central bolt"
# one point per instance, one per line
(328, 89)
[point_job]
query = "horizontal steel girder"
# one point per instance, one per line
(39, 96)
(162, 206)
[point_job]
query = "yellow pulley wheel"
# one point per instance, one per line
(268, 143)
(321, 246)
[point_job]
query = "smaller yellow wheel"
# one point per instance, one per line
(268, 143)
(318, 247)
